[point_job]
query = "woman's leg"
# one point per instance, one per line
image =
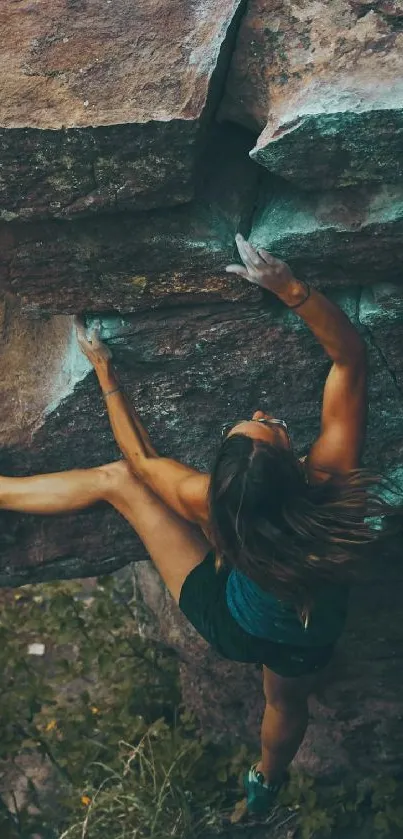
(60, 492)
(174, 545)
(284, 723)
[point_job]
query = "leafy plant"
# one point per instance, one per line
(372, 807)
(102, 707)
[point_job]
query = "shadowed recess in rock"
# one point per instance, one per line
(134, 261)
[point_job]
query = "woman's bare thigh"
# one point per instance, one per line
(175, 545)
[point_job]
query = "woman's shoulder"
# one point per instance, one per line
(313, 475)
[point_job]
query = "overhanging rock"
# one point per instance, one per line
(343, 237)
(323, 82)
(134, 262)
(103, 106)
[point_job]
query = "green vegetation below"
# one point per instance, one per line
(95, 743)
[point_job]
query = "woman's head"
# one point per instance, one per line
(262, 427)
(269, 522)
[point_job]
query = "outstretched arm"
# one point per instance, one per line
(182, 488)
(341, 439)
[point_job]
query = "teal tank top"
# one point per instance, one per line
(262, 614)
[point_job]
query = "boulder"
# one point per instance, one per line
(104, 107)
(323, 83)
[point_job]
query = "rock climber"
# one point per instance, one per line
(259, 553)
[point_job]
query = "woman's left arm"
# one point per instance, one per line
(182, 488)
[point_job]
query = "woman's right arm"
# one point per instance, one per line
(344, 409)
(344, 406)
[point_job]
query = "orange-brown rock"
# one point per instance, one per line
(322, 80)
(103, 104)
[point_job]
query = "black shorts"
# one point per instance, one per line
(203, 600)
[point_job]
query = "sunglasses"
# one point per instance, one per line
(269, 423)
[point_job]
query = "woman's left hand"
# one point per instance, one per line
(91, 345)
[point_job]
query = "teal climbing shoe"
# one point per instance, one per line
(260, 796)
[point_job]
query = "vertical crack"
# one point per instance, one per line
(379, 351)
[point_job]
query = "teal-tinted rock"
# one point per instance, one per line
(322, 81)
(340, 237)
(381, 313)
(346, 148)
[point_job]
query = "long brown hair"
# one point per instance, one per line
(286, 534)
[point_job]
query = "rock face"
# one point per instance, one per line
(160, 189)
(133, 261)
(323, 83)
(105, 105)
(333, 238)
(187, 376)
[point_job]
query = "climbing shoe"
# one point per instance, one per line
(260, 796)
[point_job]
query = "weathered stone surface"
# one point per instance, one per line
(341, 237)
(323, 82)
(40, 365)
(136, 261)
(102, 106)
(377, 304)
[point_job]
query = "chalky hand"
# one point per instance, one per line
(91, 345)
(261, 268)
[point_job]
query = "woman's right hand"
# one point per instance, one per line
(261, 268)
